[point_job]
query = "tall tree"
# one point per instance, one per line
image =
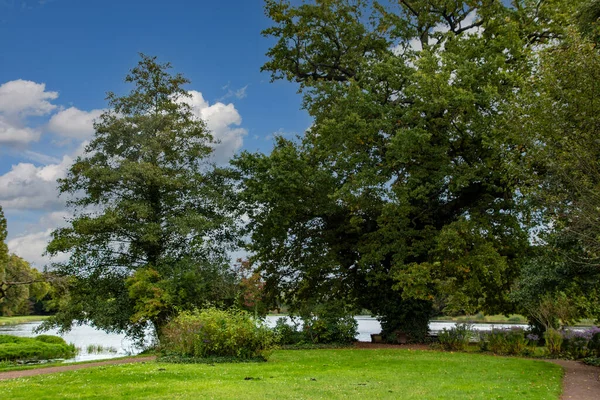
(561, 112)
(403, 195)
(18, 281)
(153, 219)
(3, 235)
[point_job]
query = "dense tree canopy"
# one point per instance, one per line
(560, 110)
(404, 195)
(153, 222)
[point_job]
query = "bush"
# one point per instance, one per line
(325, 330)
(580, 344)
(13, 348)
(287, 334)
(510, 341)
(50, 339)
(317, 330)
(213, 333)
(554, 341)
(456, 338)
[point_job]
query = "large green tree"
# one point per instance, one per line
(152, 216)
(560, 110)
(404, 194)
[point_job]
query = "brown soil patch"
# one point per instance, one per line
(73, 367)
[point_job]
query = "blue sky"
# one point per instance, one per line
(58, 58)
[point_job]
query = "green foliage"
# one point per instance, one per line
(558, 108)
(19, 285)
(287, 334)
(153, 217)
(50, 339)
(456, 338)
(554, 340)
(216, 333)
(331, 329)
(506, 341)
(316, 330)
(3, 234)
(593, 361)
(43, 347)
(578, 344)
(407, 187)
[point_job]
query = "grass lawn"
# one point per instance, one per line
(308, 374)
(21, 320)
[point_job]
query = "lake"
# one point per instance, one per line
(88, 339)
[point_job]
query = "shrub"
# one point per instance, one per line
(287, 334)
(317, 330)
(213, 333)
(554, 341)
(456, 338)
(595, 341)
(510, 341)
(50, 339)
(13, 348)
(580, 344)
(324, 330)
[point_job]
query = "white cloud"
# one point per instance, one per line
(15, 135)
(223, 120)
(25, 98)
(31, 247)
(27, 187)
(18, 100)
(74, 123)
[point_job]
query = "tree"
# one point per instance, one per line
(3, 235)
(19, 285)
(18, 281)
(152, 216)
(403, 196)
(560, 110)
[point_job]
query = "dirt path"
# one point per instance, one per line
(65, 368)
(581, 382)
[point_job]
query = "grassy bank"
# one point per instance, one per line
(21, 320)
(310, 374)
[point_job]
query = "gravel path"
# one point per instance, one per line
(581, 382)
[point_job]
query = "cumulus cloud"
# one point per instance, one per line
(223, 120)
(14, 135)
(25, 98)
(32, 246)
(18, 100)
(74, 123)
(27, 187)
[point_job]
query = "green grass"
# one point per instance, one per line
(6, 366)
(312, 374)
(42, 347)
(21, 320)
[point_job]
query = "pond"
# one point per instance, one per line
(94, 344)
